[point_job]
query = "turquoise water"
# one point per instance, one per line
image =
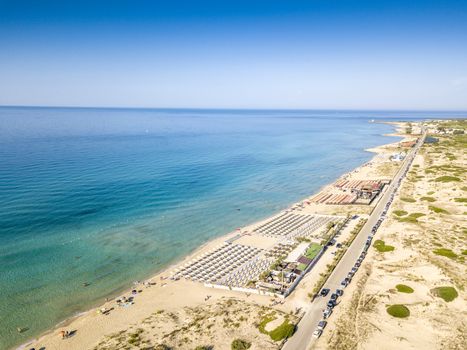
(108, 196)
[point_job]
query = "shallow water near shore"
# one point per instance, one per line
(104, 197)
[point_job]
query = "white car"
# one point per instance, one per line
(317, 333)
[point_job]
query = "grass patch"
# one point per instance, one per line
(284, 331)
(460, 200)
(446, 293)
(416, 215)
(438, 210)
(381, 247)
(408, 199)
(430, 193)
(428, 199)
(448, 253)
(313, 250)
(265, 320)
(240, 344)
(447, 178)
(409, 219)
(400, 212)
(464, 252)
(400, 311)
(402, 288)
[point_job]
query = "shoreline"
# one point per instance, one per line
(163, 274)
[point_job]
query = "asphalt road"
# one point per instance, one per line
(302, 339)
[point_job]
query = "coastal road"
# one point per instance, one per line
(302, 338)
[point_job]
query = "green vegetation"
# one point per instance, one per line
(202, 347)
(408, 199)
(400, 212)
(438, 210)
(430, 193)
(416, 215)
(402, 288)
(330, 267)
(446, 293)
(447, 178)
(265, 320)
(412, 218)
(381, 247)
(460, 200)
(313, 250)
(448, 253)
(284, 331)
(464, 252)
(428, 199)
(240, 344)
(400, 311)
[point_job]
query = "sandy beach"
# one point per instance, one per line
(184, 314)
(421, 267)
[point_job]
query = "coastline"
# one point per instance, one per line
(161, 277)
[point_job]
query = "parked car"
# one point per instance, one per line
(354, 269)
(339, 292)
(331, 304)
(327, 312)
(317, 333)
(324, 292)
(334, 296)
(322, 324)
(339, 245)
(344, 283)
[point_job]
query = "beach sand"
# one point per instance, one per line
(180, 298)
(429, 252)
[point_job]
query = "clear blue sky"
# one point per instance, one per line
(377, 54)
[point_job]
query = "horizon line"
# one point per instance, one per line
(234, 108)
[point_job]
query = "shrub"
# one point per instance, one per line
(400, 212)
(438, 210)
(416, 215)
(445, 252)
(397, 310)
(381, 247)
(402, 288)
(446, 293)
(460, 200)
(428, 199)
(408, 199)
(203, 347)
(447, 178)
(284, 331)
(240, 344)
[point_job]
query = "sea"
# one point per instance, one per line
(104, 197)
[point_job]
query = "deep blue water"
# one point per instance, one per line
(107, 196)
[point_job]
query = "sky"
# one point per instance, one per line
(314, 54)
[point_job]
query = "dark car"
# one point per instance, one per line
(322, 324)
(344, 283)
(331, 304)
(324, 292)
(339, 292)
(334, 296)
(339, 245)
